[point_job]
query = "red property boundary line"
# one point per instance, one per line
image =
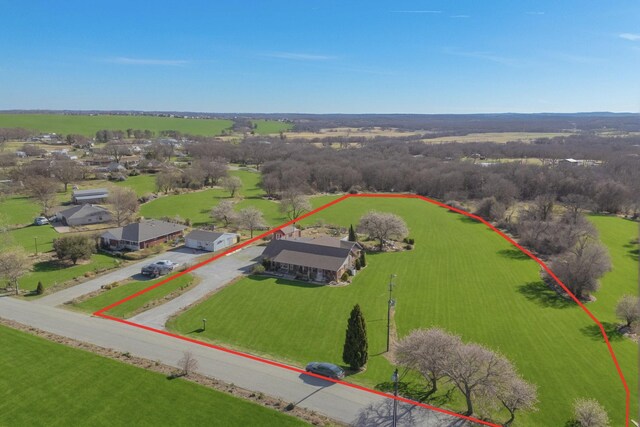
(101, 312)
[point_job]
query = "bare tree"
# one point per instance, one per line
(590, 413)
(42, 191)
(124, 204)
(116, 150)
(167, 180)
(213, 170)
(474, 369)
(383, 226)
(515, 394)
(251, 219)
(628, 309)
(13, 265)
(581, 267)
(224, 212)
(187, 364)
(427, 352)
(294, 204)
(232, 184)
(66, 171)
(576, 204)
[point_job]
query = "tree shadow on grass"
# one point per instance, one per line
(49, 266)
(611, 329)
(513, 253)
(542, 295)
(468, 220)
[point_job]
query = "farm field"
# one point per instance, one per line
(68, 385)
(89, 125)
(128, 309)
(499, 137)
(461, 277)
(267, 127)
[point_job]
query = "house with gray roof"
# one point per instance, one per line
(210, 240)
(83, 215)
(141, 235)
(288, 232)
(94, 195)
(322, 259)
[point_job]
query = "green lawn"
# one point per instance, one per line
(89, 125)
(618, 236)
(461, 277)
(266, 127)
(53, 273)
(29, 237)
(197, 205)
(18, 210)
(54, 385)
(141, 184)
(128, 308)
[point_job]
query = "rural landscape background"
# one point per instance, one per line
(440, 202)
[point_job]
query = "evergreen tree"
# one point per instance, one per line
(40, 289)
(352, 234)
(355, 353)
(363, 260)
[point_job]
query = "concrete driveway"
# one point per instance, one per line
(179, 255)
(213, 276)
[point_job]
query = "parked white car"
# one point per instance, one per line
(41, 220)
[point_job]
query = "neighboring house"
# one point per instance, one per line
(209, 240)
(323, 259)
(83, 215)
(96, 195)
(115, 167)
(288, 232)
(140, 235)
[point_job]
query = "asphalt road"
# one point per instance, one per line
(340, 402)
(212, 276)
(180, 256)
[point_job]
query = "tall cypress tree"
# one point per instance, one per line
(355, 352)
(363, 260)
(352, 234)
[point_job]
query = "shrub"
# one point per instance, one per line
(358, 266)
(345, 277)
(408, 247)
(40, 289)
(258, 269)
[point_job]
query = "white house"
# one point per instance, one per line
(209, 240)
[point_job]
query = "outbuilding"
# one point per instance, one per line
(210, 240)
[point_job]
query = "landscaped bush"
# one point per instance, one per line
(345, 276)
(258, 269)
(40, 289)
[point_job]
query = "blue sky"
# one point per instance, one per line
(349, 56)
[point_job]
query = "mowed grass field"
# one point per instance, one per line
(197, 205)
(89, 125)
(266, 127)
(461, 277)
(52, 273)
(54, 385)
(128, 308)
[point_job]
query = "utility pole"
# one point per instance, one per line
(390, 304)
(394, 377)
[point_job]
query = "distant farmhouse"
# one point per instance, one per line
(140, 235)
(288, 232)
(83, 215)
(323, 259)
(93, 196)
(210, 240)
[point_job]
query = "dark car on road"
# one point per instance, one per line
(326, 369)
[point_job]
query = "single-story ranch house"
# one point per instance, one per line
(323, 259)
(83, 215)
(140, 235)
(209, 240)
(96, 195)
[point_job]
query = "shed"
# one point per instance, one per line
(210, 240)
